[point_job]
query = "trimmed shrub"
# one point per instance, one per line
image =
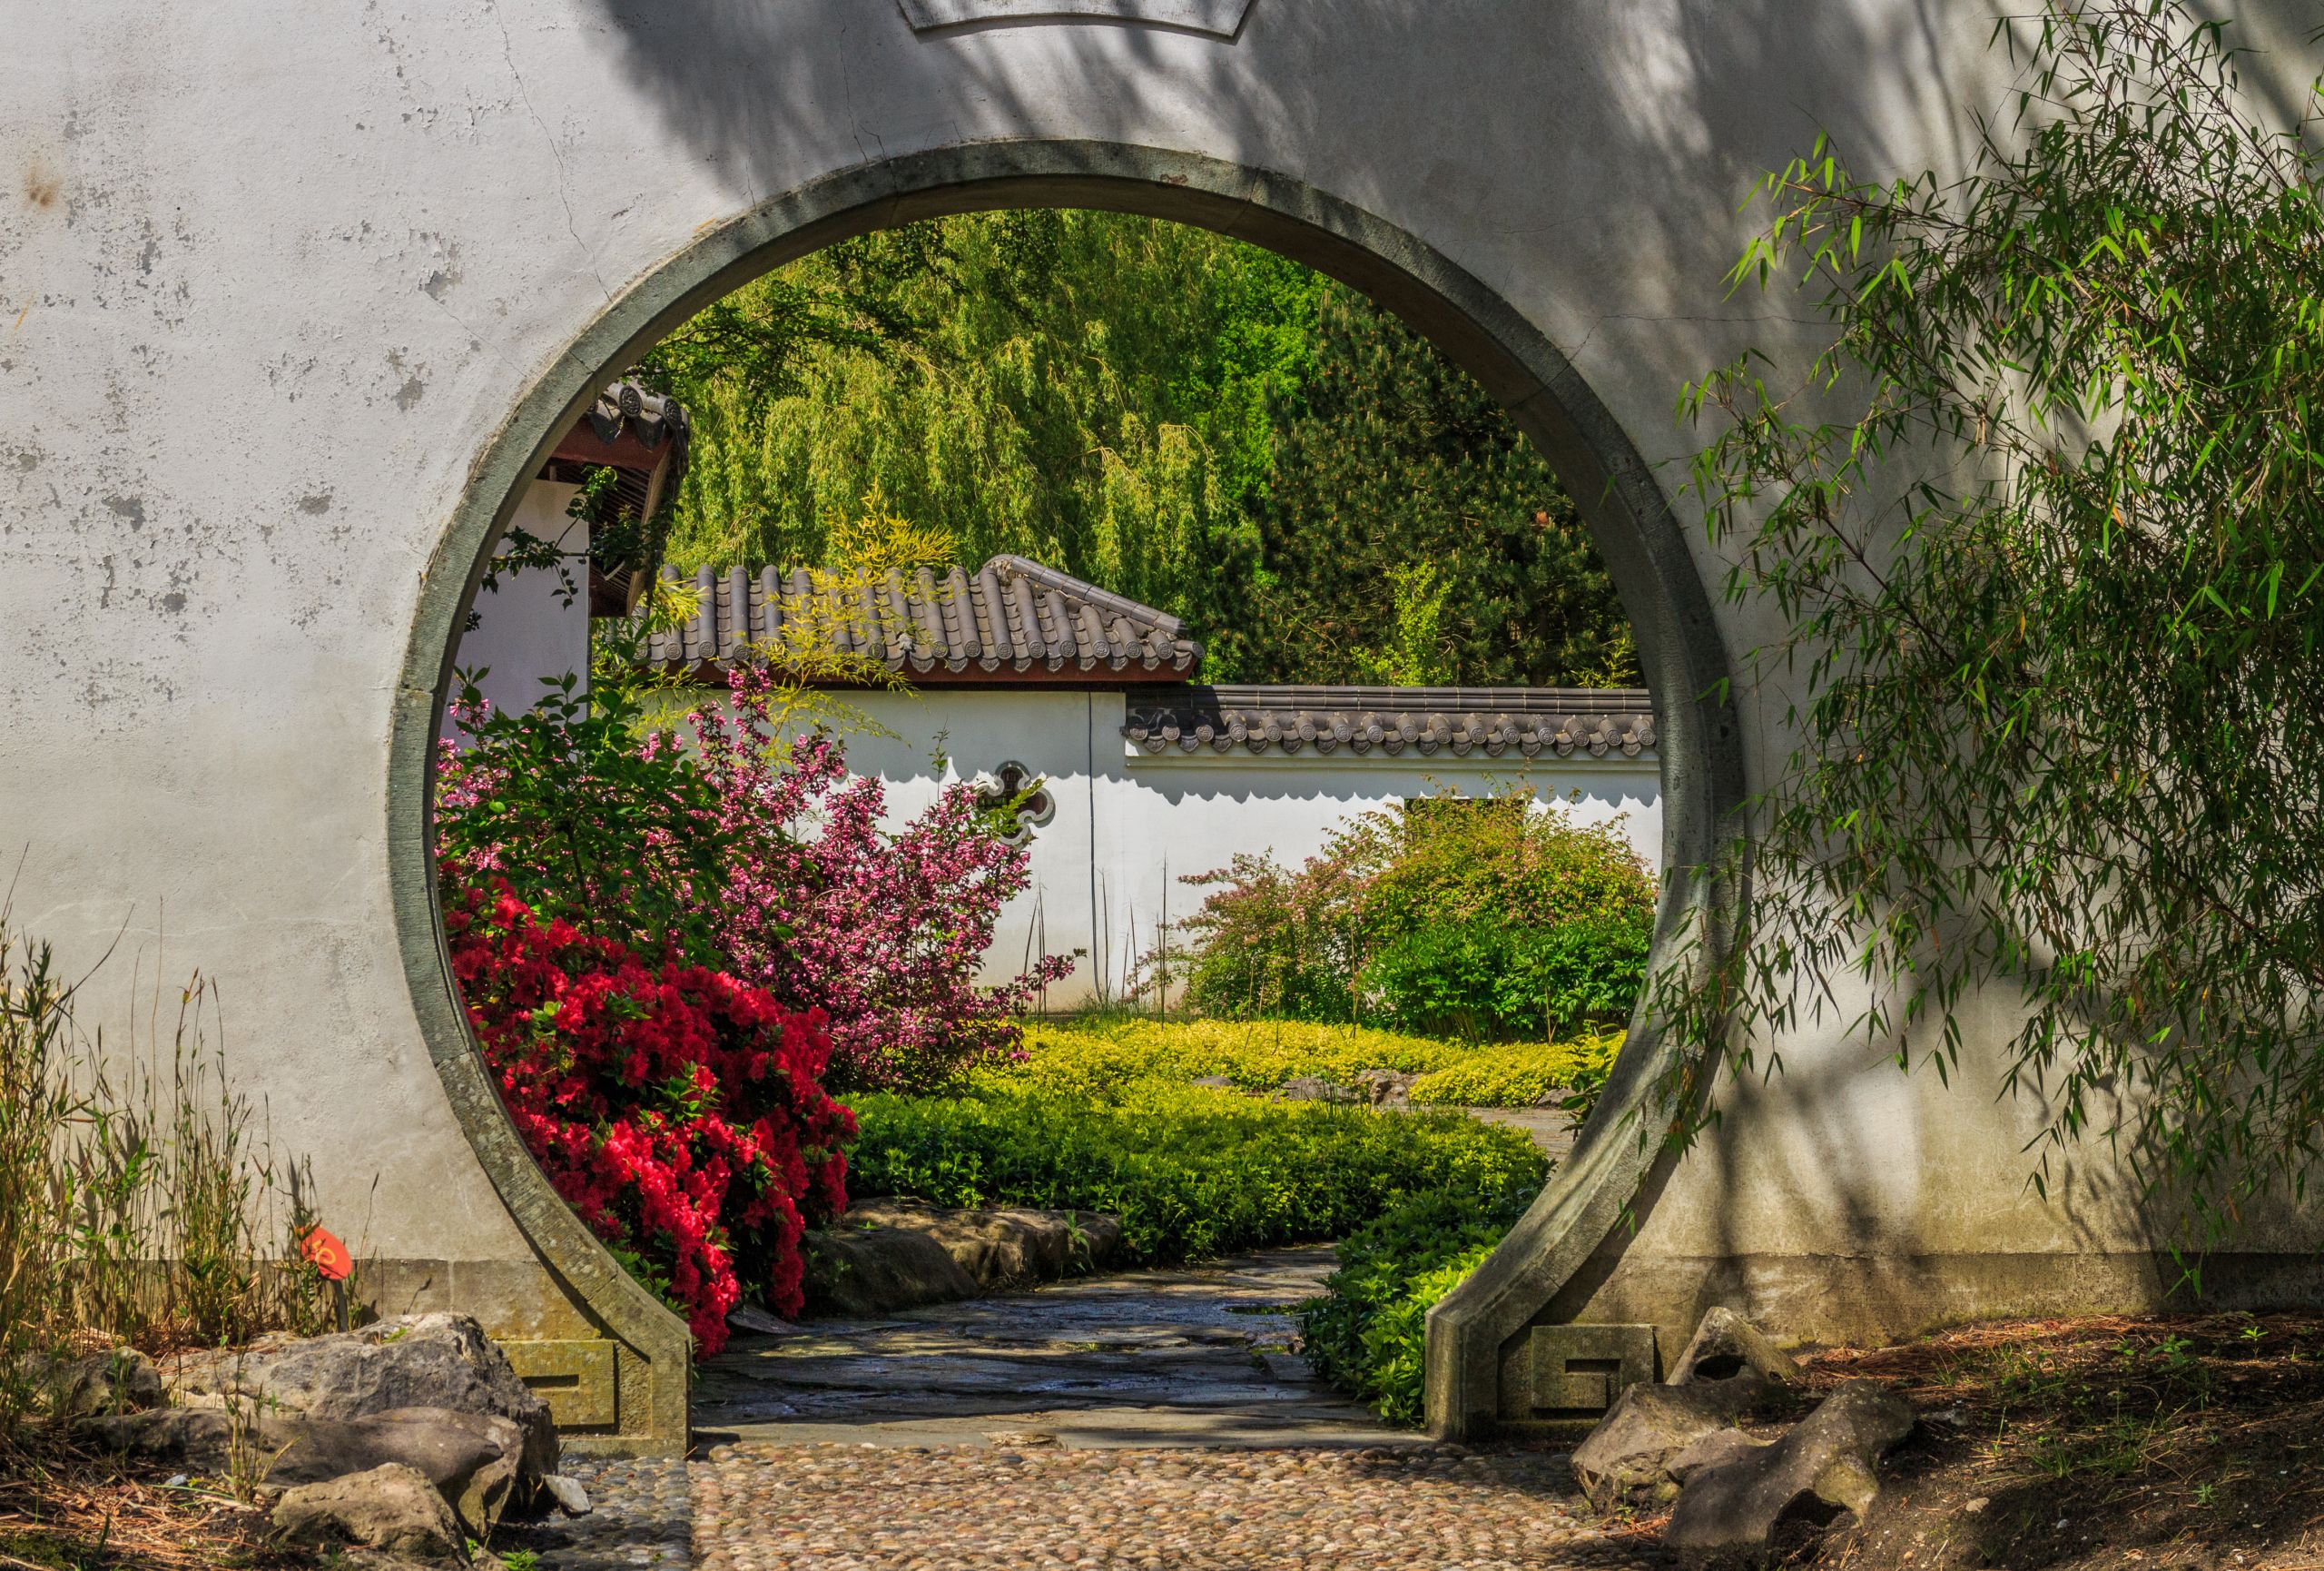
(1368, 1333)
(1192, 1171)
(1523, 1076)
(1483, 918)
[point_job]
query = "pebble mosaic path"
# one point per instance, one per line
(840, 1508)
(1149, 1419)
(641, 1518)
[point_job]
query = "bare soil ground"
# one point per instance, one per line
(66, 1510)
(2117, 1443)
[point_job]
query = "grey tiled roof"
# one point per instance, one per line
(1010, 621)
(1320, 721)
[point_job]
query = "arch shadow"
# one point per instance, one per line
(1683, 657)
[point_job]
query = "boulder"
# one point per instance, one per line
(473, 1459)
(1627, 1456)
(1004, 1248)
(1725, 1344)
(433, 1360)
(1715, 1449)
(119, 1380)
(1828, 1463)
(391, 1510)
(871, 1272)
(1387, 1087)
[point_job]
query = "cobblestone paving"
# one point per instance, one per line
(640, 1516)
(853, 1507)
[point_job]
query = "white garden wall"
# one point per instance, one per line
(1128, 825)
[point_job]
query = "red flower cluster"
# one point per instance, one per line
(679, 1110)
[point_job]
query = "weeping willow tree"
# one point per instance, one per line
(2051, 589)
(1089, 390)
(1184, 419)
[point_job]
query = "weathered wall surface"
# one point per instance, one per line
(271, 282)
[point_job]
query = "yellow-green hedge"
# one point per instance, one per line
(1102, 1059)
(1519, 1076)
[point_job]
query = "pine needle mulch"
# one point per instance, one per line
(64, 1509)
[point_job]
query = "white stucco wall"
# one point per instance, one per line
(1129, 826)
(525, 630)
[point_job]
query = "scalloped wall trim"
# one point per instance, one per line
(1219, 18)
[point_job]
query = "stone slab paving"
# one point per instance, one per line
(1195, 1357)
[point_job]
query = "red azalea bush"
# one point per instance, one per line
(678, 1110)
(665, 950)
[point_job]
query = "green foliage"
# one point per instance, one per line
(1153, 407)
(1479, 917)
(1103, 1060)
(2051, 588)
(1390, 457)
(1192, 1171)
(1527, 1075)
(584, 824)
(1419, 657)
(1480, 980)
(1368, 1333)
(1257, 1055)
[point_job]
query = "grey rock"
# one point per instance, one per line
(1729, 1513)
(1628, 1455)
(1715, 1449)
(570, 1497)
(1214, 1082)
(864, 1272)
(473, 1459)
(1004, 1248)
(759, 1323)
(434, 1360)
(1387, 1087)
(390, 1508)
(122, 1380)
(1725, 1344)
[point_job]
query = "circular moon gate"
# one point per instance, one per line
(1677, 639)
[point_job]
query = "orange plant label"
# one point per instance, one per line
(323, 1252)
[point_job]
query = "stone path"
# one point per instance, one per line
(834, 1507)
(1198, 1357)
(641, 1518)
(1156, 1418)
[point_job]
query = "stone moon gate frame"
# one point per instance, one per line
(1677, 634)
(389, 257)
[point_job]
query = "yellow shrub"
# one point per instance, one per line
(1103, 1058)
(1519, 1075)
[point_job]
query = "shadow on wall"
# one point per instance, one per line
(1705, 94)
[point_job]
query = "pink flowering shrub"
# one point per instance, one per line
(882, 932)
(676, 1110)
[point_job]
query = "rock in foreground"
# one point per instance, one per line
(1729, 1513)
(1627, 1456)
(434, 1360)
(390, 1508)
(891, 1254)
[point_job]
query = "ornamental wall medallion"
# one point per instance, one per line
(1219, 18)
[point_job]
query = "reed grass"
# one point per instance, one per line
(142, 1202)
